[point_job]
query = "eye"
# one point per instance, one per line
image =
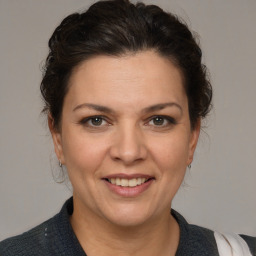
(161, 121)
(158, 120)
(94, 121)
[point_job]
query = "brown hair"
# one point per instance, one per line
(116, 28)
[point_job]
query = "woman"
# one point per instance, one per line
(125, 92)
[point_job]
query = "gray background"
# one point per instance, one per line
(221, 186)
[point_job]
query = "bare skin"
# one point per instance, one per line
(161, 238)
(126, 140)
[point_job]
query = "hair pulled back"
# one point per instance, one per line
(117, 28)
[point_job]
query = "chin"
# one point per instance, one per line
(129, 215)
(128, 220)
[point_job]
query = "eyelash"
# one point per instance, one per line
(86, 121)
(169, 121)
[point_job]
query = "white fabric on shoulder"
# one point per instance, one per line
(231, 245)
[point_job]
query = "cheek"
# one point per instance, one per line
(83, 153)
(171, 153)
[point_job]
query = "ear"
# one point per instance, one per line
(193, 141)
(57, 141)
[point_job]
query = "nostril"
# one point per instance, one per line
(128, 146)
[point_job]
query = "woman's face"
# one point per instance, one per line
(125, 137)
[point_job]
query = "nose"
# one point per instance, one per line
(128, 145)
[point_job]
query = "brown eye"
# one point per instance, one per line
(158, 120)
(161, 121)
(96, 121)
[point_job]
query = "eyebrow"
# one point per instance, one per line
(149, 109)
(161, 106)
(95, 107)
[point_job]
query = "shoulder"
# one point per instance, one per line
(53, 237)
(32, 242)
(251, 241)
(196, 240)
(49, 238)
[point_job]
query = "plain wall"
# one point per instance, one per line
(220, 188)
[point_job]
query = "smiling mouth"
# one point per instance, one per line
(128, 182)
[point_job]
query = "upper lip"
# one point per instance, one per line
(128, 176)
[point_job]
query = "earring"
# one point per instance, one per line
(189, 166)
(60, 164)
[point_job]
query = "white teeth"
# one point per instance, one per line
(127, 183)
(124, 182)
(132, 183)
(118, 182)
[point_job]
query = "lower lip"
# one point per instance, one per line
(129, 191)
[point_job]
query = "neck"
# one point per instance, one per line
(100, 237)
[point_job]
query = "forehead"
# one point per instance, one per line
(136, 78)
